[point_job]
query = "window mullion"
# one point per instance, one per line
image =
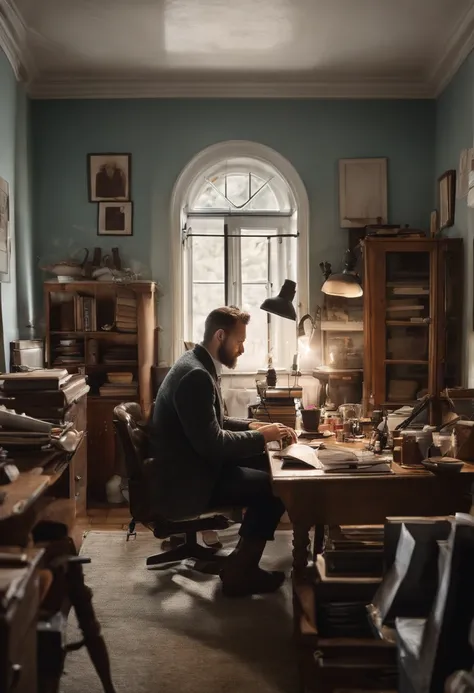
(188, 244)
(233, 264)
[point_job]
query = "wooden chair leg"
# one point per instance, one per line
(81, 599)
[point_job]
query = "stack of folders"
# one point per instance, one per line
(333, 460)
(339, 460)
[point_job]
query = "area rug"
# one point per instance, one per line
(174, 632)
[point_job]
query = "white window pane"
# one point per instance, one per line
(254, 263)
(256, 349)
(208, 259)
(212, 226)
(206, 297)
(210, 198)
(238, 189)
(265, 200)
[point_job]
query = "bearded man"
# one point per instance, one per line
(204, 459)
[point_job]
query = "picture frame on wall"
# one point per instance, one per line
(115, 219)
(109, 177)
(447, 198)
(4, 231)
(363, 192)
(434, 223)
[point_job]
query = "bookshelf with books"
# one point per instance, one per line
(107, 331)
(413, 318)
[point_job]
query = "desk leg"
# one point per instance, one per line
(301, 551)
(81, 599)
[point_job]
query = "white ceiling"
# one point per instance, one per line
(236, 47)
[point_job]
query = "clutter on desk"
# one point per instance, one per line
(8, 471)
(33, 397)
(26, 400)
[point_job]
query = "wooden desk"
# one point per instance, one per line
(19, 604)
(40, 470)
(313, 498)
(20, 512)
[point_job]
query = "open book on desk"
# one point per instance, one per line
(298, 455)
(333, 460)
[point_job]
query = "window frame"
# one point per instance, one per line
(172, 302)
(281, 226)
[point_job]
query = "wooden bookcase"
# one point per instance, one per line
(413, 291)
(77, 312)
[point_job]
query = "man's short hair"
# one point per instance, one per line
(225, 318)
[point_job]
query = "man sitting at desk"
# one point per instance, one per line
(205, 460)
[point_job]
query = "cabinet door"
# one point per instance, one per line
(449, 314)
(101, 448)
(401, 298)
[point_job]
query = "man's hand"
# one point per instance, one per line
(289, 432)
(278, 432)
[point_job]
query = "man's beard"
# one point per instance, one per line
(223, 355)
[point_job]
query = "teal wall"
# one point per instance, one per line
(455, 132)
(163, 135)
(8, 107)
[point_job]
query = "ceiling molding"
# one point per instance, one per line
(458, 47)
(83, 88)
(14, 40)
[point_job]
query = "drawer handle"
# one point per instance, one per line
(16, 675)
(77, 495)
(78, 477)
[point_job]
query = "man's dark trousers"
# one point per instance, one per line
(248, 485)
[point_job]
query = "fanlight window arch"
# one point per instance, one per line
(239, 239)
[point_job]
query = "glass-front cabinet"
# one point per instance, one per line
(412, 318)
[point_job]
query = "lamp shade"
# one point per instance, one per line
(345, 284)
(282, 304)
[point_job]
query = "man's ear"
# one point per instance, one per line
(220, 334)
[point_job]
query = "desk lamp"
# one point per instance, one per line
(281, 305)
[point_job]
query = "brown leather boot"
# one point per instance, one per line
(241, 575)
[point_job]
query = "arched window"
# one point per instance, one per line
(240, 238)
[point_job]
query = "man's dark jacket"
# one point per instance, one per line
(191, 438)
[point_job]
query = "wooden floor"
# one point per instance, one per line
(107, 519)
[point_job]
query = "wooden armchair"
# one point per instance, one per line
(133, 438)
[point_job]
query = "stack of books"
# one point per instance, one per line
(119, 385)
(120, 354)
(46, 394)
(278, 405)
(354, 551)
(341, 603)
(126, 312)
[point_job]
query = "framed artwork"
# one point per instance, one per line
(447, 198)
(362, 192)
(109, 177)
(4, 231)
(115, 219)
